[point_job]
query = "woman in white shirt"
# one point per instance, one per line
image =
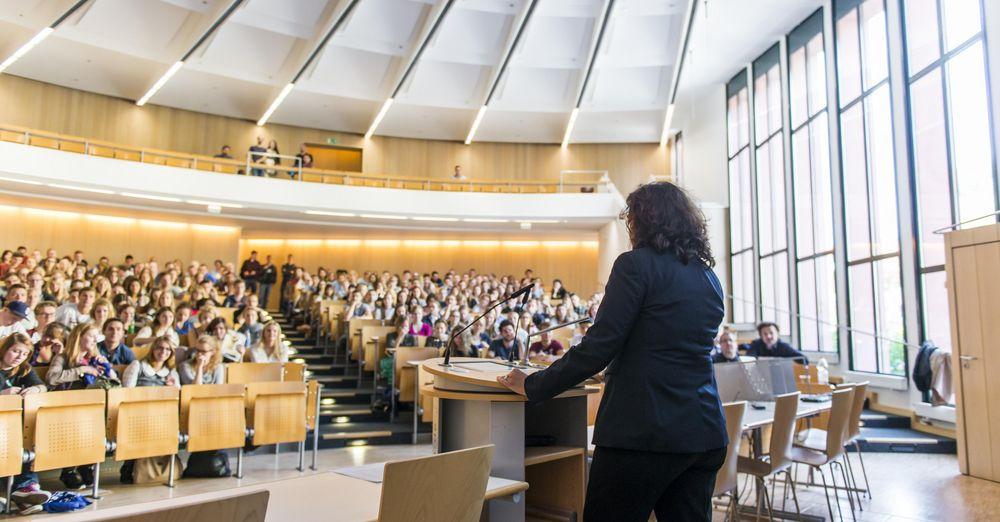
(162, 325)
(270, 348)
(156, 369)
(232, 344)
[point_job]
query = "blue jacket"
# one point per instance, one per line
(122, 355)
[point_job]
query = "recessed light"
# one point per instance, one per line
(382, 216)
(213, 203)
(152, 197)
(325, 213)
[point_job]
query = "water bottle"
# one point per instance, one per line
(823, 371)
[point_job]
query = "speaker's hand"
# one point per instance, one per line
(514, 381)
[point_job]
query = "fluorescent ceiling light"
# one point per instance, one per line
(325, 213)
(540, 221)
(428, 218)
(84, 189)
(23, 50)
(382, 216)
(15, 180)
(666, 125)
(159, 83)
(150, 196)
(215, 203)
(274, 105)
(569, 128)
(378, 118)
(483, 220)
(475, 124)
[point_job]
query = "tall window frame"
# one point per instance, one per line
(812, 187)
(870, 189)
(741, 215)
(951, 133)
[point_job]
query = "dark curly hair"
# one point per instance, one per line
(661, 216)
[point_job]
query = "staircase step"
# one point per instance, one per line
(877, 419)
(903, 440)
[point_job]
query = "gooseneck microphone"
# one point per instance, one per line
(524, 291)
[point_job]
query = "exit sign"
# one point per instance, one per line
(331, 141)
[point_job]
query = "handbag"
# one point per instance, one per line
(156, 470)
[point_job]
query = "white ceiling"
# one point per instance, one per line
(121, 47)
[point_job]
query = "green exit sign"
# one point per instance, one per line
(331, 141)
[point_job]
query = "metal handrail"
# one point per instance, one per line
(232, 166)
(966, 222)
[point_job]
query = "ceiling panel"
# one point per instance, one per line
(240, 51)
(343, 71)
(419, 121)
(514, 126)
(204, 92)
(633, 126)
(446, 85)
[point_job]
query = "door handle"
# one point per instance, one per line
(968, 357)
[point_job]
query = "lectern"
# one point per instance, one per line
(543, 444)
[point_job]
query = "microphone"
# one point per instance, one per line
(447, 350)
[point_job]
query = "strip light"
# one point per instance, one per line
(666, 125)
(325, 213)
(84, 189)
(274, 105)
(484, 220)
(430, 218)
(15, 180)
(150, 196)
(569, 128)
(160, 83)
(378, 118)
(213, 203)
(23, 50)
(475, 125)
(382, 216)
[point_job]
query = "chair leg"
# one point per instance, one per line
(302, 456)
(836, 494)
(759, 482)
(734, 503)
(767, 500)
(847, 486)
(864, 473)
(239, 464)
(97, 481)
(826, 492)
(10, 489)
(790, 482)
(854, 480)
(170, 472)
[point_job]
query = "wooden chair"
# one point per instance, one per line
(404, 376)
(293, 371)
(244, 373)
(141, 351)
(726, 481)
(779, 456)
(64, 429)
(313, 392)
(276, 413)
(354, 345)
(213, 417)
(411, 489)
(227, 313)
(11, 441)
(854, 433)
(143, 422)
(374, 350)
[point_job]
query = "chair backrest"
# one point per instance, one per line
(840, 415)
(11, 440)
(726, 478)
(213, 416)
(276, 411)
(143, 421)
(447, 486)
(64, 428)
(243, 373)
(293, 371)
(403, 379)
(786, 408)
(312, 396)
(368, 334)
(420, 340)
(41, 371)
(228, 313)
(857, 408)
(141, 351)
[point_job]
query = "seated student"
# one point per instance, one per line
(417, 326)
(728, 351)
(770, 345)
(507, 345)
(12, 318)
(269, 348)
(439, 335)
(50, 345)
(249, 320)
(183, 323)
(156, 369)
(546, 347)
(232, 344)
(17, 378)
(45, 313)
(203, 364)
(101, 312)
(474, 340)
(402, 335)
(113, 346)
(162, 324)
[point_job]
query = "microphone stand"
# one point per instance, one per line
(524, 362)
(525, 291)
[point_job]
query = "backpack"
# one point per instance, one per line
(922, 374)
(208, 464)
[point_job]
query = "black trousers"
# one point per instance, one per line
(628, 485)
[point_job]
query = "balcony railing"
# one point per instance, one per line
(568, 182)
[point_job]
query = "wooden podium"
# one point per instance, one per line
(543, 444)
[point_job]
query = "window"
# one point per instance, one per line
(741, 227)
(950, 128)
(869, 185)
(770, 196)
(812, 189)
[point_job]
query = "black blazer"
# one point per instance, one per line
(654, 332)
(781, 349)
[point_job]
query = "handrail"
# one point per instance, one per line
(953, 226)
(93, 147)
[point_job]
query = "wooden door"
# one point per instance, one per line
(331, 157)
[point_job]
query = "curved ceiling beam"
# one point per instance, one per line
(319, 44)
(219, 20)
(516, 32)
(595, 48)
(428, 33)
(39, 36)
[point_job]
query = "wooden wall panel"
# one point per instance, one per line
(573, 262)
(53, 108)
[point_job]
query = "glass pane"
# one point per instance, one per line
(889, 295)
(848, 58)
(882, 169)
(875, 53)
(764, 209)
(855, 183)
(744, 112)
(961, 21)
(732, 122)
(781, 293)
(822, 190)
(816, 62)
(937, 322)
(746, 182)
(921, 33)
(760, 108)
(802, 183)
(862, 310)
(767, 299)
(774, 98)
(970, 135)
(797, 86)
(808, 331)
(735, 210)
(930, 157)
(826, 303)
(743, 293)
(778, 217)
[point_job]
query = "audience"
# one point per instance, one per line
(113, 345)
(770, 344)
(728, 351)
(204, 365)
(507, 346)
(545, 347)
